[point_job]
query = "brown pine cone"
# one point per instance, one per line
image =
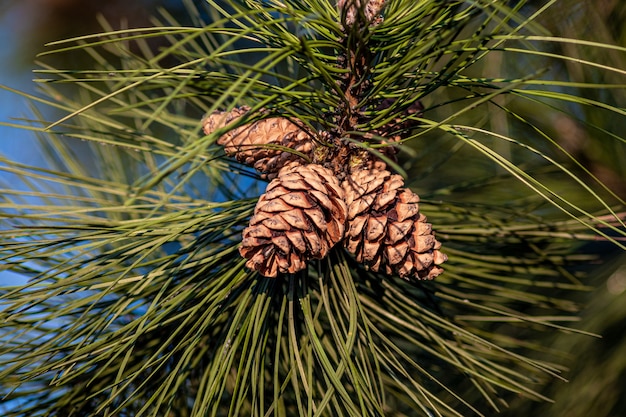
(386, 231)
(261, 144)
(300, 217)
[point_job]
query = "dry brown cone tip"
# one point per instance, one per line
(371, 10)
(261, 144)
(300, 217)
(386, 231)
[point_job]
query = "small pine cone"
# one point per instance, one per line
(249, 143)
(386, 231)
(371, 9)
(300, 217)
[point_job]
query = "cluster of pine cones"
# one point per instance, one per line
(324, 191)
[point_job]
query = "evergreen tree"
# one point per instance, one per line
(162, 285)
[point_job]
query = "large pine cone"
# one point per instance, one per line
(261, 144)
(386, 231)
(300, 217)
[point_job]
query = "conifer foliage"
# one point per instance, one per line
(281, 236)
(238, 230)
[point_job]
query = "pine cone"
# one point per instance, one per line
(300, 217)
(371, 9)
(248, 143)
(386, 231)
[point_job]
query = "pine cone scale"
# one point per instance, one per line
(375, 228)
(276, 205)
(318, 219)
(370, 250)
(439, 258)
(362, 205)
(250, 243)
(383, 199)
(296, 219)
(314, 244)
(297, 199)
(260, 230)
(297, 240)
(424, 243)
(406, 211)
(276, 223)
(398, 230)
(323, 198)
(335, 231)
(397, 253)
(356, 226)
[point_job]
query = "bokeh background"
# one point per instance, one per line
(597, 366)
(26, 26)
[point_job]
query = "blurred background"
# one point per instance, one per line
(597, 366)
(27, 25)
